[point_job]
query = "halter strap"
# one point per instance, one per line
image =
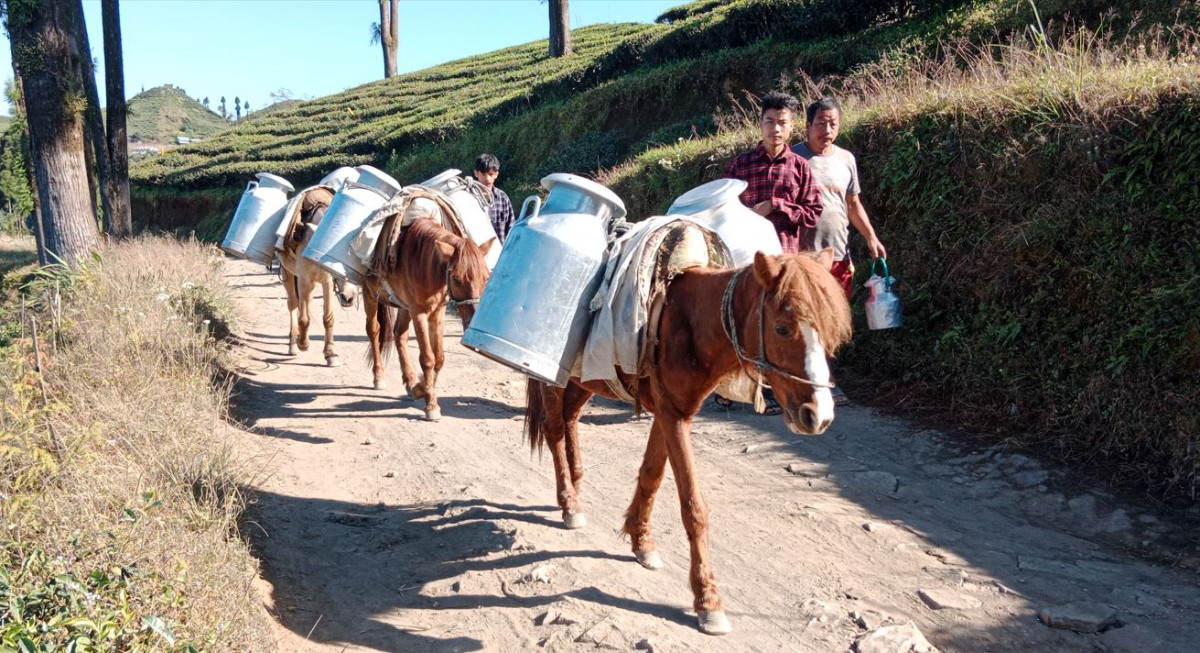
(729, 324)
(455, 303)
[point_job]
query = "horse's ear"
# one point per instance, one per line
(767, 270)
(446, 250)
(487, 245)
(825, 257)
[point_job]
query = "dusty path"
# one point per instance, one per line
(382, 532)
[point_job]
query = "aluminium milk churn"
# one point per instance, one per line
(534, 314)
(883, 306)
(251, 234)
(333, 181)
(472, 202)
(717, 205)
(349, 210)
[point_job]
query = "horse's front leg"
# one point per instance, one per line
(412, 385)
(677, 433)
(293, 303)
(421, 328)
(556, 432)
(331, 357)
(304, 291)
(637, 517)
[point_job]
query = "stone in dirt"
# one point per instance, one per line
(645, 645)
(539, 574)
(819, 612)
(1131, 639)
(869, 619)
(546, 618)
(1079, 616)
(905, 638)
(948, 575)
(940, 599)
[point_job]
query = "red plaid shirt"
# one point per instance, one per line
(787, 181)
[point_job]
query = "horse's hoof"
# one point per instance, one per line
(302, 346)
(433, 414)
(574, 521)
(714, 623)
(380, 384)
(649, 559)
(417, 391)
(291, 349)
(333, 361)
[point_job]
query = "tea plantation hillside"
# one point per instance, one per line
(165, 112)
(1028, 165)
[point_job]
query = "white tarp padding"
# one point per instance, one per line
(291, 213)
(621, 307)
(363, 245)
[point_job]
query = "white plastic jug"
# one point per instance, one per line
(717, 205)
(251, 234)
(883, 306)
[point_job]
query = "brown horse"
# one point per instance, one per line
(301, 276)
(420, 269)
(777, 318)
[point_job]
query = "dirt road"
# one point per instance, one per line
(379, 531)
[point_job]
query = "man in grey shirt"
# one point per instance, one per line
(836, 175)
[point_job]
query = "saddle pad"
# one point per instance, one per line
(306, 200)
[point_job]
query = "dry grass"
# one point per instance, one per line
(144, 478)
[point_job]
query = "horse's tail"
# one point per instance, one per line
(535, 415)
(386, 316)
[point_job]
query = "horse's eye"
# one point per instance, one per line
(782, 330)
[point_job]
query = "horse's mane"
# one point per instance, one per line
(416, 248)
(817, 296)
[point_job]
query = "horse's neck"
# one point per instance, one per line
(699, 304)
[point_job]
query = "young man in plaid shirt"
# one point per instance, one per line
(487, 168)
(779, 186)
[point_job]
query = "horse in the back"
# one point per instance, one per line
(301, 276)
(418, 270)
(776, 319)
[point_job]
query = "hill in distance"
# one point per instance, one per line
(164, 112)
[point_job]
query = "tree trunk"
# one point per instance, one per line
(27, 151)
(40, 36)
(389, 35)
(560, 29)
(121, 223)
(97, 145)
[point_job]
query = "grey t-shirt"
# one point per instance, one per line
(836, 175)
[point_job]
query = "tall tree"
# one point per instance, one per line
(387, 33)
(246, 106)
(39, 33)
(224, 113)
(560, 29)
(96, 153)
(121, 223)
(237, 107)
(205, 103)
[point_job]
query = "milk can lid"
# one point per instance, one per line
(274, 181)
(339, 176)
(706, 196)
(377, 179)
(588, 186)
(437, 182)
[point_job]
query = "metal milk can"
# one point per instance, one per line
(251, 234)
(883, 306)
(349, 210)
(472, 202)
(717, 205)
(534, 315)
(333, 181)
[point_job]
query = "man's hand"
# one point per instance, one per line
(876, 248)
(763, 208)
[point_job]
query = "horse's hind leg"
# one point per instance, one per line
(293, 303)
(305, 289)
(575, 397)
(331, 357)
(556, 430)
(376, 350)
(637, 517)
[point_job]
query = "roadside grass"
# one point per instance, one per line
(119, 479)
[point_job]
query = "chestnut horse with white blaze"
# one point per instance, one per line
(301, 276)
(416, 272)
(777, 318)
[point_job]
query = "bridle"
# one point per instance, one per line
(451, 301)
(729, 322)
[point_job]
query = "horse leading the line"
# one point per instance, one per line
(778, 318)
(417, 270)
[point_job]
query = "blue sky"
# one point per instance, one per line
(250, 48)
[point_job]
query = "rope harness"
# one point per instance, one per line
(761, 365)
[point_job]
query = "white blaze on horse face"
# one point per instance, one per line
(816, 366)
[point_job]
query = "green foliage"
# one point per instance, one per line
(162, 113)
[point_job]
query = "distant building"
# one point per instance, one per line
(182, 140)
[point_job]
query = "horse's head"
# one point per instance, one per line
(466, 274)
(805, 318)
